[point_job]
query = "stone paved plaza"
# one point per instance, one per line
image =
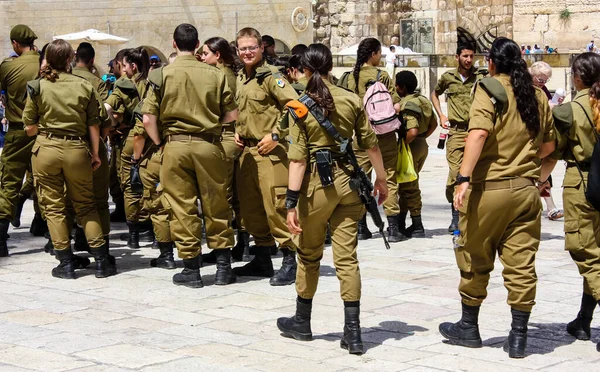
(138, 320)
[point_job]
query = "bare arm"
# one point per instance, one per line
(230, 117)
(473, 148)
(376, 160)
(150, 123)
(95, 143)
(546, 149)
(296, 174)
(139, 142)
(411, 135)
(435, 100)
(548, 165)
(110, 113)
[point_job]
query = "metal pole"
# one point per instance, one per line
(108, 26)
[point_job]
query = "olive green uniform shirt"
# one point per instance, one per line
(192, 98)
(348, 118)
(126, 95)
(458, 93)
(574, 133)
(64, 107)
(101, 89)
(261, 98)
(508, 151)
(231, 78)
(14, 75)
(417, 112)
(369, 73)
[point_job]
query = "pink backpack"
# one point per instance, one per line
(379, 107)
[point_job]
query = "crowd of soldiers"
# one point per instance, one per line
(271, 147)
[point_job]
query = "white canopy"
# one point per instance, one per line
(94, 36)
(353, 50)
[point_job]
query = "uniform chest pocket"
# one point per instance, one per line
(257, 101)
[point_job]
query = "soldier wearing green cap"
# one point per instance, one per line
(16, 156)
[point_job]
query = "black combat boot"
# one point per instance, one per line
(261, 265)
(580, 327)
(146, 231)
(465, 332)
(3, 237)
(352, 340)
(224, 273)
(394, 234)
(516, 342)
(298, 326)
(190, 276)
(165, 259)
(363, 229)
(454, 224)
(49, 247)
(402, 222)
(16, 222)
(81, 243)
(105, 263)
(287, 274)
(133, 241)
(118, 215)
(209, 258)
(242, 246)
(66, 267)
(38, 226)
(416, 230)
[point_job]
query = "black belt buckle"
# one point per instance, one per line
(324, 167)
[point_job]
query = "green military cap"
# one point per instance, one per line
(22, 34)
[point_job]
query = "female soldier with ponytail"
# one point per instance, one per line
(63, 109)
(500, 208)
(577, 128)
(127, 94)
(365, 71)
(311, 205)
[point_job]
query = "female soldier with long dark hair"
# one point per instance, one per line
(217, 52)
(365, 71)
(63, 110)
(500, 208)
(577, 128)
(311, 205)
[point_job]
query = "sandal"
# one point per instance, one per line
(555, 214)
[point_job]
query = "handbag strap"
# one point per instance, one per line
(597, 139)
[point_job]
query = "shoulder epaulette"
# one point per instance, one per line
(156, 78)
(33, 87)
(125, 84)
(563, 116)
(497, 93)
(412, 107)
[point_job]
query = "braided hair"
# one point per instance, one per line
(366, 48)
(506, 55)
(587, 67)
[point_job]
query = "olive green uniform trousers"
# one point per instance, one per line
(133, 201)
(505, 220)
(261, 183)
(15, 161)
(409, 194)
(195, 169)
(582, 231)
(150, 175)
(232, 154)
(341, 207)
(115, 168)
(455, 151)
(60, 164)
(388, 145)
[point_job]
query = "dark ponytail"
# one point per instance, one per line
(506, 55)
(318, 60)
(140, 57)
(218, 44)
(587, 67)
(366, 48)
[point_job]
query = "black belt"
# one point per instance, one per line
(249, 142)
(461, 126)
(585, 167)
(512, 183)
(208, 137)
(59, 136)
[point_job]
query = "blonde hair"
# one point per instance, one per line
(58, 55)
(540, 68)
(249, 32)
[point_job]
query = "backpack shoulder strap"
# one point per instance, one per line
(589, 119)
(378, 75)
(33, 88)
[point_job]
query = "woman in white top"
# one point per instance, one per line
(390, 61)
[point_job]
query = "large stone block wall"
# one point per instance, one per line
(151, 22)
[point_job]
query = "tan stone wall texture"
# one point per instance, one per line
(151, 22)
(539, 22)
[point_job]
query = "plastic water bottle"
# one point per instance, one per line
(455, 237)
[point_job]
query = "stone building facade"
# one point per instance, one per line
(153, 22)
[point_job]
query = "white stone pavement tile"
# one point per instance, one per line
(33, 317)
(114, 306)
(101, 368)
(573, 365)
(243, 312)
(128, 356)
(366, 362)
(255, 301)
(100, 315)
(57, 295)
(229, 355)
(417, 311)
(210, 335)
(425, 299)
(8, 368)
(195, 365)
(13, 332)
(266, 330)
(425, 369)
(384, 288)
(9, 287)
(153, 340)
(462, 363)
(308, 350)
(176, 316)
(141, 323)
(40, 360)
(86, 327)
(297, 364)
(66, 343)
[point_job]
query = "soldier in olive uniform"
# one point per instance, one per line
(261, 176)
(194, 164)
(83, 66)
(419, 123)
(365, 71)
(62, 110)
(311, 205)
(16, 154)
(500, 213)
(127, 94)
(457, 84)
(577, 128)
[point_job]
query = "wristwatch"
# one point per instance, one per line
(462, 179)
(275, 137)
